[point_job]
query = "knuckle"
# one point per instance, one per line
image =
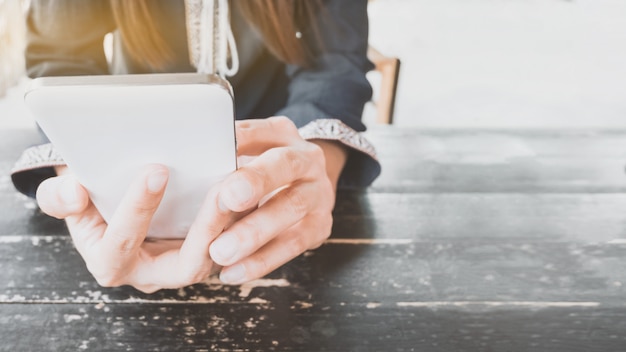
(212, 230)
(124, 243)
(258, 267)
(316, 152)
(243, 133)
(296, 201)
(283, 123)
(328, 202)
(327, 226)
(298, 245)
(193, 275)
(294, 163)
(196, 271)
(325, 202)
(255, 176)
(254, 234)
(103, 276)
(251, 175)
(143, 210)
(324, 230)
(316, 158)
(242, 126)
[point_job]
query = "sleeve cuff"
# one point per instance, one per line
(34, 166)
(37, 163)
(362, 166)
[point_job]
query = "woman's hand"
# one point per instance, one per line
(117, 253)
(273, 208)
(289, 190)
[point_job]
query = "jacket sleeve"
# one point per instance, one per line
(65, 37)
(326, 100)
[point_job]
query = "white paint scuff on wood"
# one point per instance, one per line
(35, 240)
(72, 317)
(246, 288)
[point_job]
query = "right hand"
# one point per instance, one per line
(116, 253)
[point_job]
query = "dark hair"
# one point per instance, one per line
(277, 21)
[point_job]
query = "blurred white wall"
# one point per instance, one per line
(491, 63)
(12, 42)
(13, 113)
(506, 63)
(12, 35)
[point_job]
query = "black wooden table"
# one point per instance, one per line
(469, 241)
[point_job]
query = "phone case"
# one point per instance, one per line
(108, 127)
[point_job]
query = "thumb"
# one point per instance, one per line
(62, 196)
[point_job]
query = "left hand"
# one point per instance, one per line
(298, 217)
(116, 252)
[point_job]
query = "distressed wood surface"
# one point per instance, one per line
(469, 241)
(203, 328)
(500, 161)
(344, 272)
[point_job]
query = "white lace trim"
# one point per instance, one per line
(336, 130)
(44, 155)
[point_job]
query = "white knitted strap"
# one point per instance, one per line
(211, 39)
(228, 46)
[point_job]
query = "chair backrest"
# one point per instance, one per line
(389, 68)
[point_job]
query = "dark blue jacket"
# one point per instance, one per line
(65, 38)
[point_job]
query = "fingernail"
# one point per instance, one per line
(69, 191)
(156, 181)
(239, 192)
(234, 275)
(224, 248)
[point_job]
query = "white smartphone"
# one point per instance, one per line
(107, 127)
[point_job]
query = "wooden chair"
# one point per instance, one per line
(389, 68)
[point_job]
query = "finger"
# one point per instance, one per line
(162, 271)
(273, 169)
(281, 212)
(159, 272)
(62, 196)
(86, 229)
(256, 136)
(194, 263)
(308, 234)
(176, 264)
(131, 220)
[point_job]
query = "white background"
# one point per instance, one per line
(506, 63)
(492, 63)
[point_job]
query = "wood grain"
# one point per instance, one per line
(189, 327)
(469, 241)
(499, 161)
(48, 270)
(469, 161)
